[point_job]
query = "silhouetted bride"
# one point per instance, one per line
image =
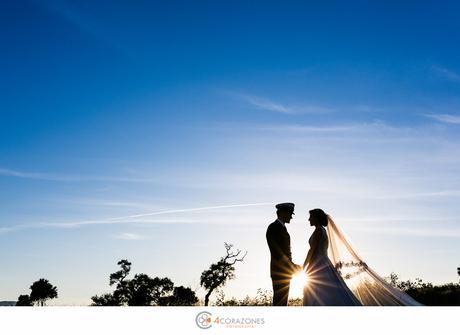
(337, 275)
(325, 286)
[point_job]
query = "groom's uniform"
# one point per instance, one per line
(281, 266)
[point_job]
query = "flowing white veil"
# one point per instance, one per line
(366, 284)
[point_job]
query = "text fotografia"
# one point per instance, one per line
(204, 320)
(239, 322)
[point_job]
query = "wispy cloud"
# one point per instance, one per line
(404, 226)
(85, 24)
(446, 73)
(101, 203)
(8, 229)
(130, 237)
(376, 130)
(263, 103)
(21, 174)
(445, 118)
(442, 193)
(421, 232)
(70, 178)
(310, 129)
(269, 104)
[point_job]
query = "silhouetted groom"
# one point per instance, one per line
(281, 266)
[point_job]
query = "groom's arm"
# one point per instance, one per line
(277, 247)
(294, 267)
(278, 252)
(274, 243)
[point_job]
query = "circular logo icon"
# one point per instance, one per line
(203, 320)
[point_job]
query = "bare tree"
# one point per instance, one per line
(218, 273)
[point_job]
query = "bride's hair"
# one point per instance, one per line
(321, 216)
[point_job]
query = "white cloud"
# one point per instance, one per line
(348, 164)
(22, 174)
(109, 203)
(446, 73)
(445, 118)
(277, 107)
(432, 194)
(372, 129)
(312, 129)
(7, 229)
(71, 178)
(266, 104)
(130, 237)
(409, 231)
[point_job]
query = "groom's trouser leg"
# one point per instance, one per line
(280, 292)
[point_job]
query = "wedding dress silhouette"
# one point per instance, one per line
(339, 276)
(325, 286)
(367, 286)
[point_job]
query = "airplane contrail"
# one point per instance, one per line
(195, 209)
(121, 219)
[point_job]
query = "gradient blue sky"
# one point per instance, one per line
(110, 110)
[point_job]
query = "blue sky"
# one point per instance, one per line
(112, 113)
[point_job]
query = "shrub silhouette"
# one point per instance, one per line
(24, 300)
(142, 290)
(427, 293)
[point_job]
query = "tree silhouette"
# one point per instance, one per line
(146, 291)
(24, 300)
(427, 293)
(142, 290)
(182, 296)
(119, 276)
(106, 299)
(41, 291)
(222, 271)
(121, 293)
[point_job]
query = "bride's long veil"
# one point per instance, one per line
(366, 285)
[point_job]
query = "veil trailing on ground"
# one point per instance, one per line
(366, 285)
